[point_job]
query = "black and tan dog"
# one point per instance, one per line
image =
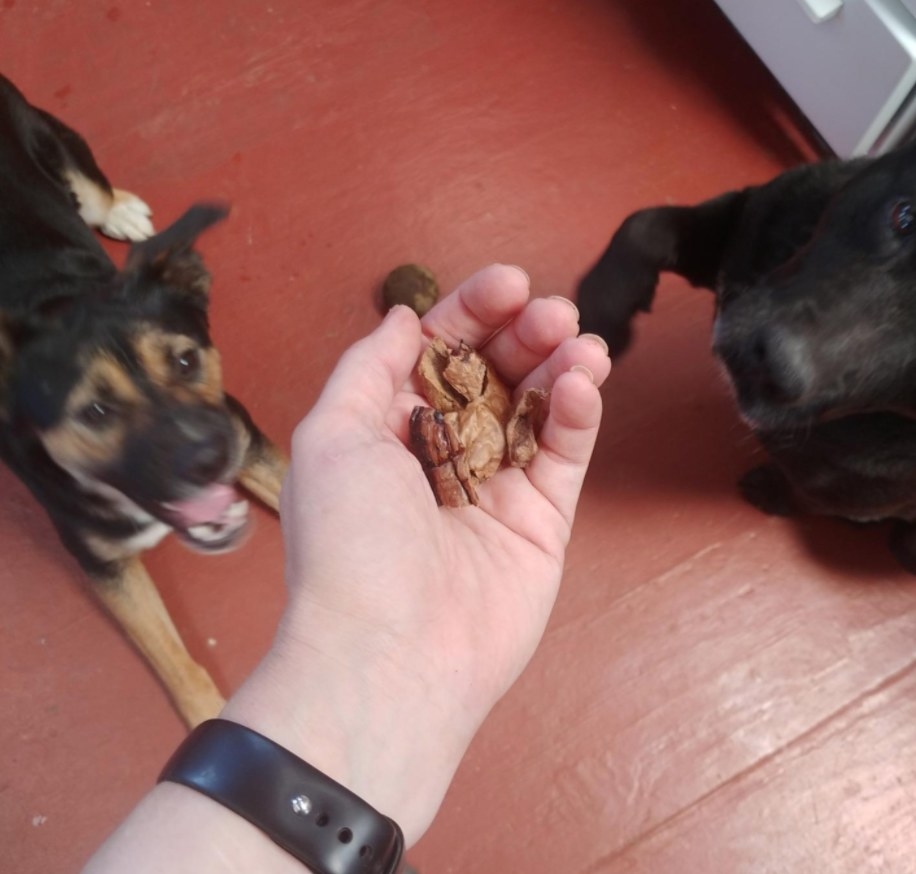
(814, 277)
(112, 409)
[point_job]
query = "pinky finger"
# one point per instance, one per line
(567, 440)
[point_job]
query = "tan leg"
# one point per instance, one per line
(132, 598)
(263, 473)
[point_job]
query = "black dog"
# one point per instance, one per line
(815, 281)
(112, 409)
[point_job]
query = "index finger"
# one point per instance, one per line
(479, 307)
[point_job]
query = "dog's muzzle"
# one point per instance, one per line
(769, 366)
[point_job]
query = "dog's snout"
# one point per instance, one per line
(769, 364)
(203, 461)
(202, 450)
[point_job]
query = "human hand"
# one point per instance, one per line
(406, 622)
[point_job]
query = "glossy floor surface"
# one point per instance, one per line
(718, 691)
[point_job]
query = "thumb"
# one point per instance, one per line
(363, 385)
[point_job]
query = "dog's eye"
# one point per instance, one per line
(188, 364)
(95, 414)
(903, 218)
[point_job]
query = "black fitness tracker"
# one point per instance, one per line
(314, 818)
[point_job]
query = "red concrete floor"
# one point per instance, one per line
(718, 691)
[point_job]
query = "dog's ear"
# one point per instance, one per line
(168, 257)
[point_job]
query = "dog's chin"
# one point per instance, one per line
(213, 519)
(768, 418)
(215, 537)
(211, 539)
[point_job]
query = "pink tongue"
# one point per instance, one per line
(208, 506)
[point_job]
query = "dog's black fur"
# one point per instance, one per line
(814, 276)
(112, 409)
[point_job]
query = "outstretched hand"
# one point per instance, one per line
(406, 621)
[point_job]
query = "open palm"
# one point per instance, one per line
(433, 592)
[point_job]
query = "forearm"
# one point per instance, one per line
(177, 830)
(388, 743)
(335, 718)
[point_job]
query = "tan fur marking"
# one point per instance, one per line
(212, 368)
(263, 474)
(132, 599)
(243, 437)
(104, 372)
(78, 447)
(152, 348)
(156, 350)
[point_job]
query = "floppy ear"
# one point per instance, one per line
(168, 256)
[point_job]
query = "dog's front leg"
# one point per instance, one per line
(768, 489)
(130, 595)
(263, 464)
(263, 472)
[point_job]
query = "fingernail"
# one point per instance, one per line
(567, 301)
(581, 368)
(394, 312)
(520, 270)
(594, 338)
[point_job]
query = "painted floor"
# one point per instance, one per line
(718, 691)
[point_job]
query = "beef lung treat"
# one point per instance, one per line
(472, 426)
(525, 425)
(442, 456)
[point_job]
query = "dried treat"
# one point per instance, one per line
(411, 285)
(466, 372)
(452, 381)
(436, 388)
(472, 428)
(476, 402)
(483, 435)
(442, 457)
(525, 425)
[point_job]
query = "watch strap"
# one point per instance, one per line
(321, 823)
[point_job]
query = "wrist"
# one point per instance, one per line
(201, 834)
(314, 818)
(377, 741)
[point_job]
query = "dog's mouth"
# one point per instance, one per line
(214, 519)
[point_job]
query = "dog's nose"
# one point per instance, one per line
(769, 364)
(201, 452)
(203, 461)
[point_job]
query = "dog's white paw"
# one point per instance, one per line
(128, 218)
